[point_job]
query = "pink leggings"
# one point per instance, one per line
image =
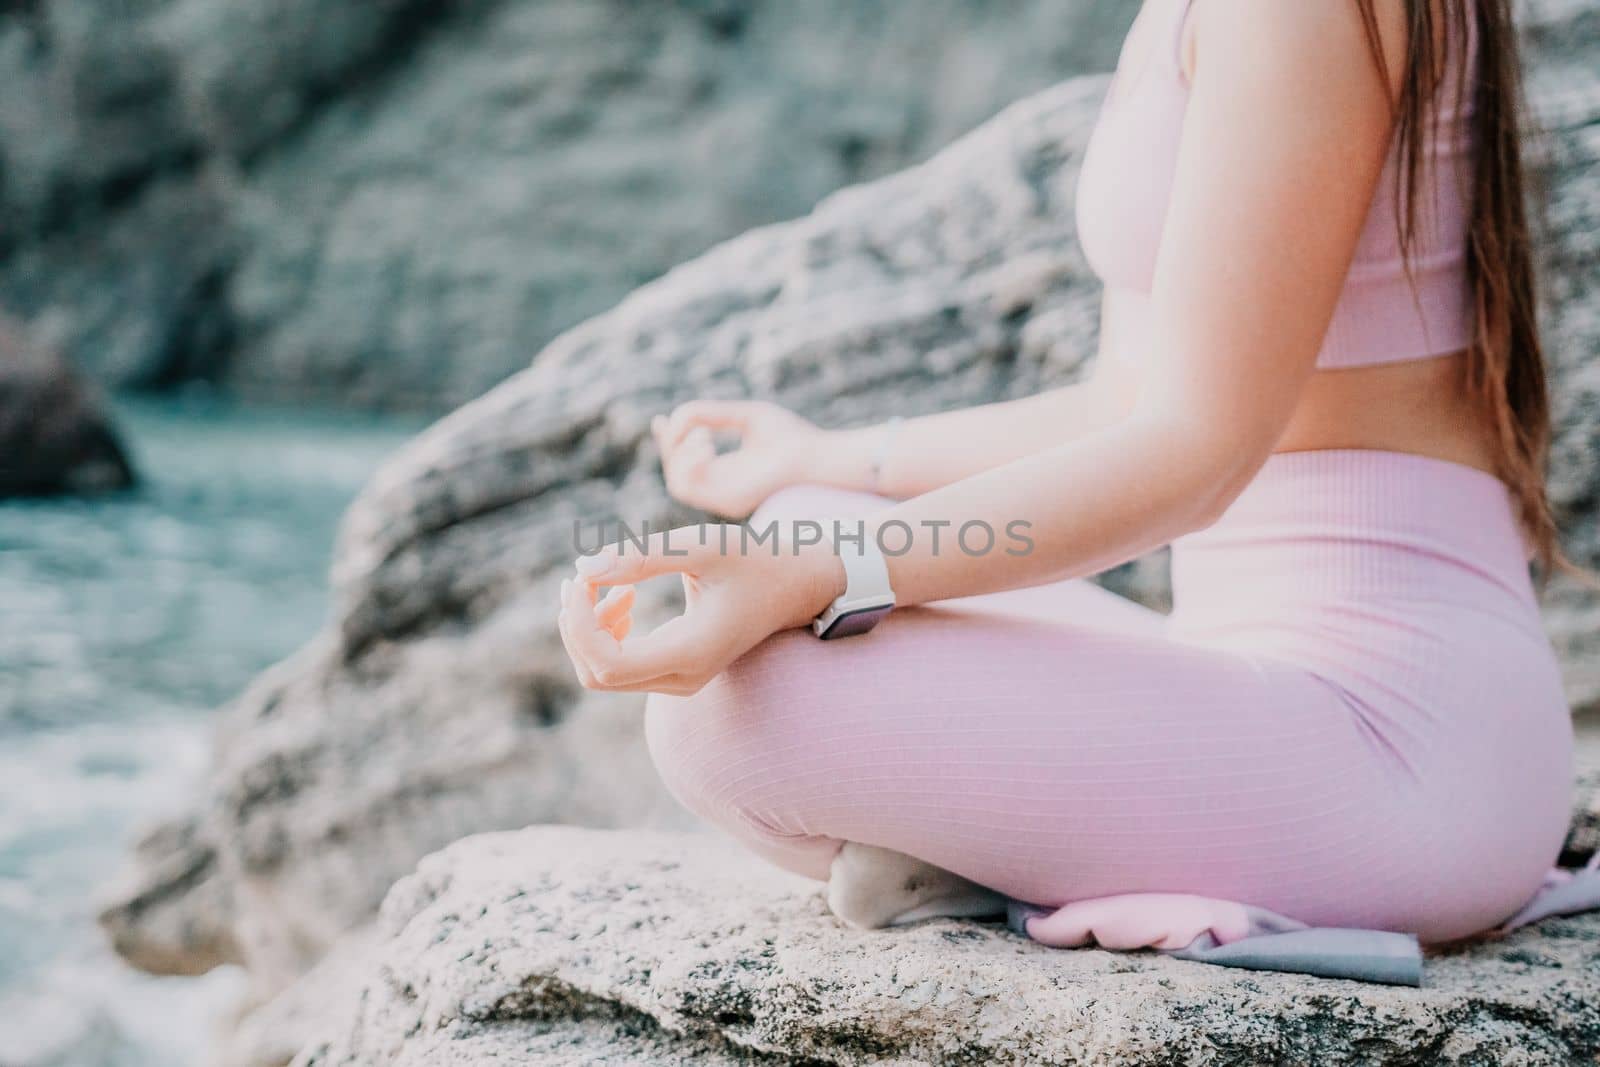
(1352, 717)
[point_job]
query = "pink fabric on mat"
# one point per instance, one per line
(1353, 717)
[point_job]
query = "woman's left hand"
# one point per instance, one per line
(735, 597)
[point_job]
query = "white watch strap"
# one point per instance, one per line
(866, 572)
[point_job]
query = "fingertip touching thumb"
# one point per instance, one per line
(597, 564)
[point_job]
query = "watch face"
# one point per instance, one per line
(855, 622)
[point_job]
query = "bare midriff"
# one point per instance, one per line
(1418, 406)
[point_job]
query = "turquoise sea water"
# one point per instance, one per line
(124, 622)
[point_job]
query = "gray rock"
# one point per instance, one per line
(172, 916)
(135, 297)
(558, 946)
(303, 832)
(55, 432)
(399, 202)
(271, 1034)
(1583, 839)
(89, 111)
(247, 75)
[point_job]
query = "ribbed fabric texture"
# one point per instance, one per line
(1383, 315)
(1351, 718)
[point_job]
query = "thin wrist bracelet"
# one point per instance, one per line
(881, 455)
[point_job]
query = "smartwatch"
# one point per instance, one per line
(866, 597)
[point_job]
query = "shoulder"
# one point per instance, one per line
(1332, 46)
(1322, 37)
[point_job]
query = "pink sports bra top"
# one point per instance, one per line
(1126, 184)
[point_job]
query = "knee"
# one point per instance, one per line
(720, 751)
(692, 742)
(668, 731)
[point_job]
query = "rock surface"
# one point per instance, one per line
(438, 703)
(1583, 839)
(55, 432)
(558, 946)
(397, 202)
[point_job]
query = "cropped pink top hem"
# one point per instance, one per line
(1384, 313)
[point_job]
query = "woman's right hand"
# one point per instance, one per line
(773, 451)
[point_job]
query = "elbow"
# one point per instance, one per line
(1213, 470)
(1210, 503)
(1220, 482)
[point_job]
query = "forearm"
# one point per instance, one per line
(1080, 508)
(933, 451)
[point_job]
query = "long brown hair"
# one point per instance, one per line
(1505, 360)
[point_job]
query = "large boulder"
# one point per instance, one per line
(438, 703)
(556, 946)
(55, 432)
(397, 202)
(1583, 839)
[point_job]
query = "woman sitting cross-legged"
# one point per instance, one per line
(1320, 381)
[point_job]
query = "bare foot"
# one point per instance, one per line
(871, 887)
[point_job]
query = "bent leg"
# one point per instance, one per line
(1050, 760)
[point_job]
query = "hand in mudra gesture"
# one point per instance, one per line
(773, 447)
(735, 596)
